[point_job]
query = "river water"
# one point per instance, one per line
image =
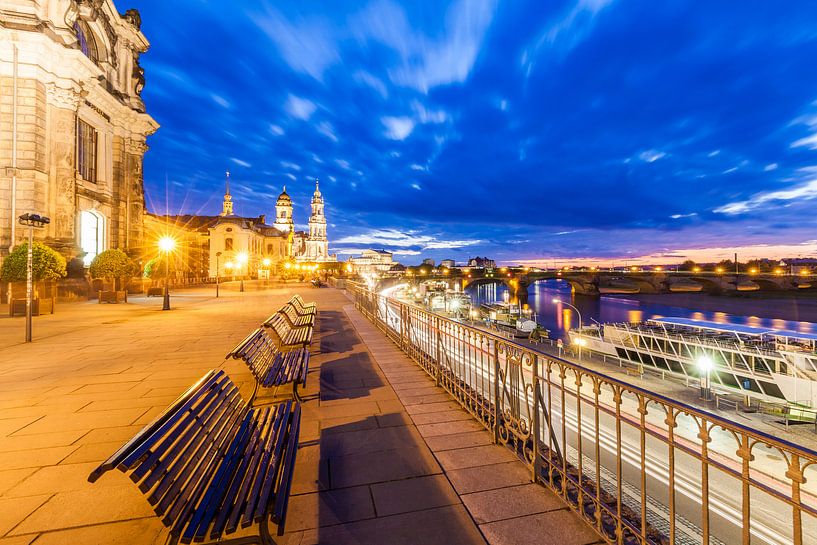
(558, 319)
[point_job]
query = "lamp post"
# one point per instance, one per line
(166, 245)
(705, 365)
(578, 312)
(242, 262)
(31, 221)
(218, 255)
(266, 262)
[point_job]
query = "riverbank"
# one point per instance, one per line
(794, 306)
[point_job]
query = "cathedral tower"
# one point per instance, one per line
(227, 208)
(317, 245)
(283, 212)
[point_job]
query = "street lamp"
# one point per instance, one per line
(705, 364)
(242, 261)
(218, 255)
(166, 245)
(31, 221)
(557, 301)
(580, 342)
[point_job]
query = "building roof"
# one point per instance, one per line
(284, 198)
(204, 223)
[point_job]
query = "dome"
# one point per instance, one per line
(284, 198)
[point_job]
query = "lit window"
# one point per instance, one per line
(86, 41)
(91, 235)
(86, 151)
(228, 244)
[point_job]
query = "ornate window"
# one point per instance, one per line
(91, 234)
(228, 244)
(86, 151)
(86, 41)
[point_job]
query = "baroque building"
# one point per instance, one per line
(73, 129)
(229, 244)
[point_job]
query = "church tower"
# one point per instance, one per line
(283, 212)
(317, 245)
(227, 208)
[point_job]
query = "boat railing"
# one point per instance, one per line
(695, 339)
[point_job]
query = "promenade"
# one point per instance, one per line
(385, 456)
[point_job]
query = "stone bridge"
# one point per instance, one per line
(595, 283)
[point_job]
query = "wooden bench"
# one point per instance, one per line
(155, 292)
(286, 336)
(211, 464)
(301, 307)
(295, 319)
(270, 367)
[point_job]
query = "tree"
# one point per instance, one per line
(112, 265)
(688, 265)
(47, 264)
(156, 269)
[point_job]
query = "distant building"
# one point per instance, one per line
(447, 263)
(428, 261)
(372, 261)
(73, 129)
(481, 262)
(216, 245)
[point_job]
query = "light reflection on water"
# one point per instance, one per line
(560, 318)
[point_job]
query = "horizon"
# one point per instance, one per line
(590, 130)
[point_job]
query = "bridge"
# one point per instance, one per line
(599, 282)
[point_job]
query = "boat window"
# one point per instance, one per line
(771, 389)
(728, 379)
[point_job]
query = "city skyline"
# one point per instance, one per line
(591, 129)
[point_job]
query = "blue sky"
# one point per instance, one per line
(519, 130)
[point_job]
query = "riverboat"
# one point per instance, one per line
(773, 365)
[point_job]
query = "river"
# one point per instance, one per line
(774, 311)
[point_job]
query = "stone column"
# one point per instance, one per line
(133, 193)
(62, 173)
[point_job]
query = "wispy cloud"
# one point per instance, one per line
(220, 100)
(306, 45)
(428, 61)
(397, 128)
(300, 108)
(804, 191)
(392, 238)
(326, 129)
(651, 155)
(276, 130)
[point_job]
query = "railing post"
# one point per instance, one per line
(438, 359)
(537, 422)
(496, 392)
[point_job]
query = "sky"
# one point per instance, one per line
(529, 132)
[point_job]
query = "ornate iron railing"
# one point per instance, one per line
(639, 467)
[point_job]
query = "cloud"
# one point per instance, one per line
(241, 163)
(326, 129)
(567, 31)
(397, 128)
(770, 167)
(392, 238)
(416, 186)
(306, 46)
(651, 155)
(221, 101)
(301, 108)
(290, 165)
(375, 83)
(276, 130)
(803, 191)
(680, 216)
(427, 61)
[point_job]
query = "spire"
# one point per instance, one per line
(285, 188)
(227, 209)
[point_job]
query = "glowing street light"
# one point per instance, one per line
(241, 258)
(705, 365)
(266, 262)
(167, 244)
(580, 342)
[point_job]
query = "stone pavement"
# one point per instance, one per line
(385, 456)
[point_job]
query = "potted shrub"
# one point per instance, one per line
(47, 264)
(115, 267)
(155, 271)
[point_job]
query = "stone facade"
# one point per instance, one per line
(72, 124)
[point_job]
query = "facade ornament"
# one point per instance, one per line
(61, 97)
